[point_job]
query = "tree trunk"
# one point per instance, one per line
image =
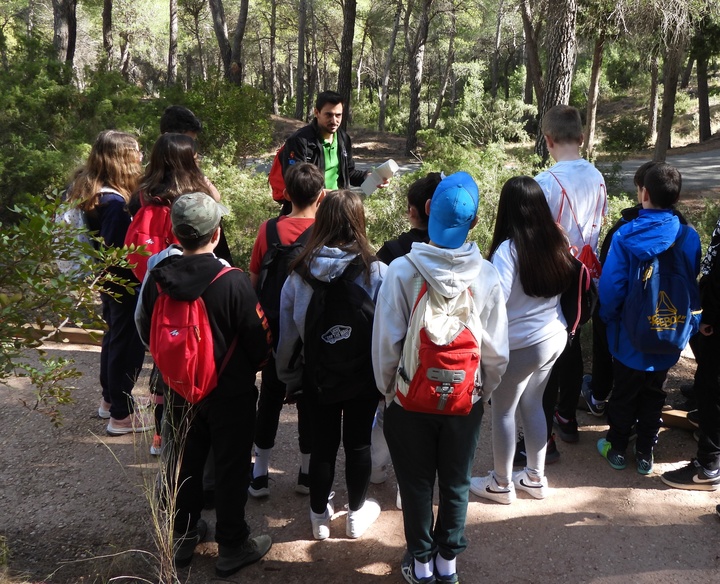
(593, 92)
(300, 83)
(703, 98)
(346, 58)
(416, 56)
(273, 58)
(386, 71)
(496, 52)
(360, 61)
(107, 33)
(561, 50)
(448, 69)
(687, 72)
(172, 64)
(653, 114)
(236, 62)
(534, 69)
(313, 68)
(201, 52)
(125, 58)
(64, 29)
(221, 34)
(673, 64)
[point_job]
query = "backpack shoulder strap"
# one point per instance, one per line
(271, 232)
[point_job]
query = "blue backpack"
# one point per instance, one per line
(662, 309)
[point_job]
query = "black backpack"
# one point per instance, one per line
(338, 337)
(274, 270)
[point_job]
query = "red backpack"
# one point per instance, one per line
(181, 344)
(275, 177)
(152, 228)
(440, 362)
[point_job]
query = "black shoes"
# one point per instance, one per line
(232, 559)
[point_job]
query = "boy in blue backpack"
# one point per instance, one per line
(640, 365)
(269, 263)
(225, 418)
(429, 447)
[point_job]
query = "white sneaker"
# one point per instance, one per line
(398, 500)
(321, 522)
(522, 481)
(378, 475)
(104, 410)
(359, 521)
(488, 488)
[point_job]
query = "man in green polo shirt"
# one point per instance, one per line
(323, 143)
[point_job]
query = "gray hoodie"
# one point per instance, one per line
(327, 265)
(449, 271)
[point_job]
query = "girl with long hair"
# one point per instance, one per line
(102, 190)
(532, 257)
(338, 243)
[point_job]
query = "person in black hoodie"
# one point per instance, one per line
(225, 418)
(323, 143)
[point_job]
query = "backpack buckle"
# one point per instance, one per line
(447, 379)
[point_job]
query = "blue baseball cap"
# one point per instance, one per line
(453, 207)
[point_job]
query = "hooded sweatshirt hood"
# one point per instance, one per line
(184, 277)
(448, 271)
(654, 232)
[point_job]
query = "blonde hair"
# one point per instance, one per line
(563, 124)
(113, 162)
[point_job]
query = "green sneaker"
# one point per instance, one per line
(644, 462)
(615, 458)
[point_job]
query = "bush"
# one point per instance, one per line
(627, 134)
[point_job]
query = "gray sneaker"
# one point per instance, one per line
(232, 559)
(184, 544)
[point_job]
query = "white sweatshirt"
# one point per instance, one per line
(449, 271)
(531, 320)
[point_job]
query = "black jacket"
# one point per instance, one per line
(306, 145)
(232, 307)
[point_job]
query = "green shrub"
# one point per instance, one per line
(627, 134)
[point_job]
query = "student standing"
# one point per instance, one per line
(338, 242)
(426, 447)
(638, 396)
(225, 418)
(304, 189)
(532, 277)
(102, 190)
(575, 192)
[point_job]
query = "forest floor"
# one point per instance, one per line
(74, 504)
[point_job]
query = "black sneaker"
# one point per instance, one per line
(551, 453)
(232, 559)
(184, 544)
(717, 510)
(693, 416)
(568, 430)
(303, 483)
(693, 477)
(259, 487)
(407, 568)
(596, 409)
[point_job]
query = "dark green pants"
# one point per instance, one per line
(423, 447)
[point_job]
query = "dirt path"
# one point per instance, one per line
(73, 504)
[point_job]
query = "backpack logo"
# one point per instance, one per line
(174, 333)
(440, 363)
(666, 317)
(337, 333)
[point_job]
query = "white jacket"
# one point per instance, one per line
(449, 271)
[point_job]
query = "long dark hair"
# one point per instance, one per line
(172, 170)
(544, 259)
(339, 222)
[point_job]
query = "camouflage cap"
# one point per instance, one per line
(194, 215)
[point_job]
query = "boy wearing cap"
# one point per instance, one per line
(224, 419)
(425, 446)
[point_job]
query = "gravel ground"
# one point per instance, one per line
(74, 508)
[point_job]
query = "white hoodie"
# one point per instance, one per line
(449, 271)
